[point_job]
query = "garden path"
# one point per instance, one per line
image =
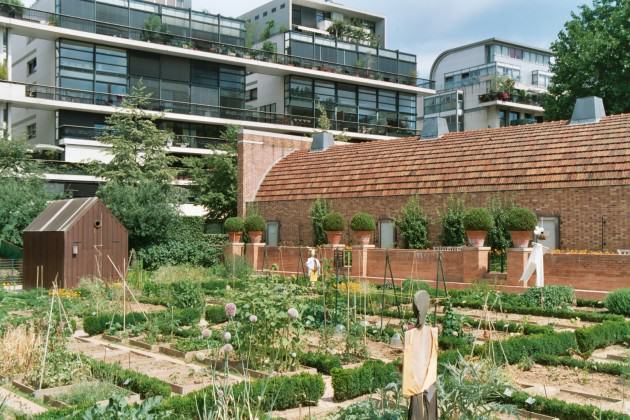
(20, 404)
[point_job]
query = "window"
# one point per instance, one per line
(264, 14)
(251, 94)
(282, 6)
(32, 66)
(257, 17)
(514, 116)
(272, 234)
(273, 10)
(386, 235)
(268, 108)
(31, 131)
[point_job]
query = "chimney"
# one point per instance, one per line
(322, 141)
(588, 110)
(433, 128)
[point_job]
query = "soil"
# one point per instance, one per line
(610, 354)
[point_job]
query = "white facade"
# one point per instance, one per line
(475, 74)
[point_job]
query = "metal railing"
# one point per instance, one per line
(188, 108)
(11, 271)
(526, 99)
(164, 38)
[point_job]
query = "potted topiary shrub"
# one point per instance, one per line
(362, 224)
(234, 228)
(477, 223)
(254, 226)
(520, 222)
(333, 225)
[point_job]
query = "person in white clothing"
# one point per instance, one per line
(314, 267)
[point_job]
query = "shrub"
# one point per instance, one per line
(215, 314)
(412, 224)
(362, 222)
(137, 382)
(186, 294)
(517, 348)
(98, 324)
(478, 219)
(519, 218)
(602, 335)
(609, 368)
(372, 375)
(318, 212)
(284, 392)
(453, 232)
(334, 222)
(255, 223)
(323, 362)
(234, 224)
(553, 297)
(618, 302)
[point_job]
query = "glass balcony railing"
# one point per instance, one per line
(525, 98)
(205, 45)
(235, 114)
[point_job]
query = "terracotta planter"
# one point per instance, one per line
(255, 237)
(235, 237)
(476, 238)
(334, 237)
(363, 237)
(521, 238)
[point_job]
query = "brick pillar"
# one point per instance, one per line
(516, 260)
(360, 260)
(233, 250)
(254, 254)
(474, 263)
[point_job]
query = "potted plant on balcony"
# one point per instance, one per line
(333, 225)
(234, 228)
(477, 223)
(254, 226)
(362, 224)
(520, 222)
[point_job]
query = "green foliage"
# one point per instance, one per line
(216, 314)
(334, 222)
(323, 121)
(255, 223)
(4, 74)
(186, 294)
(552, 297)
(319, 210)
(234, 224)
(214, 177)
(618, 369)
(62, 368)
(285, 392)
(412, 224)
(372, 375)
(11, 8)
(498, 238)
(268, 29)
(602, 335)
(269, 47)
(600, 34)
(362, 222)
(117, 408)
(323, 362)
(155, 31)
(519, 218)
(517, 348)
(618, 302)
(453, 232)
(98, 324)
(478, 219)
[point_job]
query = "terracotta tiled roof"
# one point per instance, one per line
(537, 156)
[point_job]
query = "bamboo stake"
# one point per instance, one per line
(52, 304)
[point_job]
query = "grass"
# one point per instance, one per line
(85, 394)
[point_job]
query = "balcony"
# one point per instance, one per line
(523, 98)
(229, 115)
(202, 45)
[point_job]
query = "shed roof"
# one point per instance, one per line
(60, 215)
(525, 157)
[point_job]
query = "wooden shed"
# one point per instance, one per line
(73, 239)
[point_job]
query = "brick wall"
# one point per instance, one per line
(580, 211)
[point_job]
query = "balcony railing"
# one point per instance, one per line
(161, 105)
(176, 140)
(520, 98)
(164, 38)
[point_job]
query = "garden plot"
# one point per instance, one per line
(615, 353)
(558, 323)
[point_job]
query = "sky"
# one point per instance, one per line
(428, 27)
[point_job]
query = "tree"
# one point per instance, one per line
(591, 59)
(22, 192)
(138, 146)
(453, 232)
(498, 237)
(319, 210)
(214, 177)
(413, 225)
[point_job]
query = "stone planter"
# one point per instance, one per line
(363, 237)
(334, 237)
(235, 237)
(521, 238)
(255, 237)
(476, 238)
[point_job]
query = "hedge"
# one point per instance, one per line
(137, 382)
(323, 362)
(516, 348)
(618, 302)
(216, 314)
(601, 367)
(562, 410)
(98, 324)
(602, 335)
(372, 375)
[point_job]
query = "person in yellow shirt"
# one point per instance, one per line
(420, 363)
(314, 267)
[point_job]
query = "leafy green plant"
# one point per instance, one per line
(118, 408)
(318, 212)
(551, 297)
(362, 222)
(90, 393)
(187, 294)
(334, 222)
(216, 314)
(520, 219)
(618, 302)
(234, 224)
(137, 382)
(452, 221)
(515, 349)
(478, 219)
(413, 225)
(255, 223)
(4, 74)
(323, 121)
(323, 362)
(62, 368)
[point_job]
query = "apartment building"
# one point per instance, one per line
(72, 62)
(488, 84)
